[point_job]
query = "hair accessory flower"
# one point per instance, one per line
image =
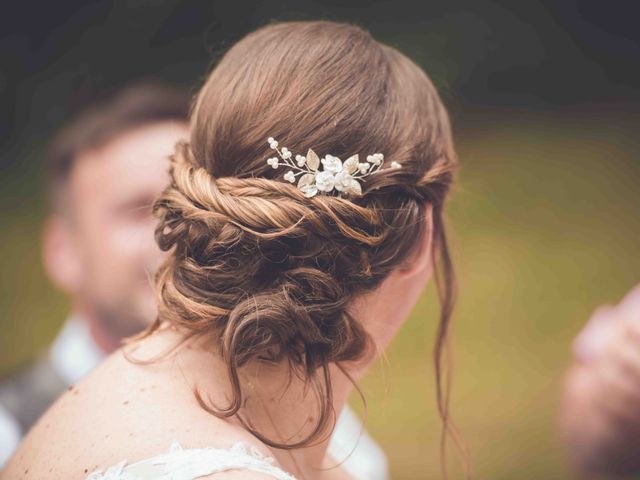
(335, 174)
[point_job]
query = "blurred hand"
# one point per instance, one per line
(601, 410)
(597, 335)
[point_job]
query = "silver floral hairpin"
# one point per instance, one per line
(342, 176)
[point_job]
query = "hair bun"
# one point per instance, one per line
(266, 271)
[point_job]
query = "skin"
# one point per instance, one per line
(600, 418)
(124, 410)
(98, 246)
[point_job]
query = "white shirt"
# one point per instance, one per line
(73, 354)
(10, 434)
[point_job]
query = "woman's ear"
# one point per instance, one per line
(60, 256)
(422, 256)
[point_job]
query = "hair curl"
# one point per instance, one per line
(266, 271)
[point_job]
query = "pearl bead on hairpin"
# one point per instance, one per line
(335, 174)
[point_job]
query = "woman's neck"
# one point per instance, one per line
(284, 409)
(276, 403)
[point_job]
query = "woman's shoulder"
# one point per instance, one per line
(120, 411)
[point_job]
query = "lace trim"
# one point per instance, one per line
(192, 463)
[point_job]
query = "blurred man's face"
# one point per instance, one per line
(111, 229)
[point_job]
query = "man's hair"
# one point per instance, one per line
(134, 106)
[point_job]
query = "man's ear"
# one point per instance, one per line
(60, 256)
(422, 257)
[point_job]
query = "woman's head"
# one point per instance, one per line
(270, 273)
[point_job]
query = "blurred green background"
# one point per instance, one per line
(544, 221)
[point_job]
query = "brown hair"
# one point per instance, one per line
(134, 106)
(255, 264)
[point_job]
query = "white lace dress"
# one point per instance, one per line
(351, 446)
(193, 463)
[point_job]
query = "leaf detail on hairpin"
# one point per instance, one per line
(307, 185)
(313, 161)
(351, 164)
(345, 183)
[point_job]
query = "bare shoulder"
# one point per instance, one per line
(122, 411)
